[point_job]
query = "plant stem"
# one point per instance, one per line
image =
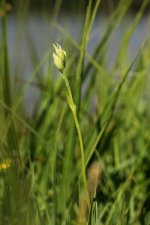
(74, 113)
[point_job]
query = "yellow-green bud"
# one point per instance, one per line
(59, 57)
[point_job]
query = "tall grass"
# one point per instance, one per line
(88, 166)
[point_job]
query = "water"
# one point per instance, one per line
(30, 40)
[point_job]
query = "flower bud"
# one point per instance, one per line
(59, 57)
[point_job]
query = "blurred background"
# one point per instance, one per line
(33, 25)
(73, 5)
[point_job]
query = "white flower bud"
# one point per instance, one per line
(59, 57)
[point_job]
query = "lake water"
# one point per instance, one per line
(30, 39)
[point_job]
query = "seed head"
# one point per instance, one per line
(59, 57)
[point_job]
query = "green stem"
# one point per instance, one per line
(74, 113)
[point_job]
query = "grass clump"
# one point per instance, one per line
(82, 155)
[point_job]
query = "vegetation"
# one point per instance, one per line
(82, 156)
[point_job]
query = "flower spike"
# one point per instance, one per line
(59, 57)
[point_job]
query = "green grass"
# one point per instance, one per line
(65, 163)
